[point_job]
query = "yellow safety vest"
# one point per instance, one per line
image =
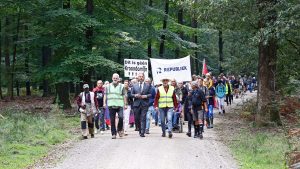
(165, 99)
(227, 90)
(115, 96)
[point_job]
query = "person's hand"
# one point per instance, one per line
(125, 107)
(104, 105)
(206, 110)
(175, 110)
(83, 106)
(156, 109)
(192, 111)
(137, 96)
(181, 115)
(144, 96)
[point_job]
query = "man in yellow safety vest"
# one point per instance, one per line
(166, 103)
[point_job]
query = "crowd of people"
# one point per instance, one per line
(118, 106)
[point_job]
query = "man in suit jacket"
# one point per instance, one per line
(141, 93)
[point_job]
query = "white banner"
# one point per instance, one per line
(179, 69)
(133, 66)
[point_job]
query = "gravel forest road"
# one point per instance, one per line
(150, 152)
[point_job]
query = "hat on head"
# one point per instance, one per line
(165, 78)
(86, 86)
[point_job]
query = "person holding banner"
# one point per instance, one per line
(141, 93)
(166, 103)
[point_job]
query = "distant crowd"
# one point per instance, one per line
(121, 105)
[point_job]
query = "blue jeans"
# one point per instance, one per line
(210, 111)
(150, 112)
(100, 117)
(166, 113)
(176, 116)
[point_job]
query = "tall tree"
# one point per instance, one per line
(195, 60)
(63, 88)
(7, 59)
(163, 36)
(1, 94)
(221, 54)
(180, 33)
(267, 63)
(16, 39)
(46, 55)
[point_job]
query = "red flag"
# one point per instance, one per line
(204, 68)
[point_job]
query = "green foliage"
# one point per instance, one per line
(260, 149)
(25, 137)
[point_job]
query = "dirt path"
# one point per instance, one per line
(151, 152)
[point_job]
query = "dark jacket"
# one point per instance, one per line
(146, 91)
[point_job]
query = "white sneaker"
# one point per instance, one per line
(101, 132)
(96, 131)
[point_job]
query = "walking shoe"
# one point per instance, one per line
(223, 111)
(189, 134)
(219, 112)
(136, 129)
(142, 135)
(163, 135)
(170, 135)
(200, 136)
(84, 137)
(196, 136)
(101, 132)
(113, 137)
(120, 133)
(92, 135)
(96, 131)
(147, 132)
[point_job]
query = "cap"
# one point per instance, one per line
(86, 86)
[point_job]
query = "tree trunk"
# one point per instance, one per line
(89, 31)
(195, 25)
(15, 54)
(62, 88)
(221, 56)
(180, 21)
(46, 55)
(63, 95)
(266, 105)
(7, 60)
(1, 94)
(163, 36)
(18, 87)
(27, 83)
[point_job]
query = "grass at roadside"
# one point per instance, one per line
(26, 137)
(260, 149)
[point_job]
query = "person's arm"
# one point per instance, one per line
(96, 100)
(79, 100)
(104, 97)
(204, 102)
(124, 97)
(157, 96)
(175, 101)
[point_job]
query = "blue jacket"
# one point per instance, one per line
(152, 98)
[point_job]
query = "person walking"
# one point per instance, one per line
(141, 92)
(220, 93)
(87, 105)
(166, 103)
(115, 98)
(151, 111)
(99, 116)
(198, 103)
